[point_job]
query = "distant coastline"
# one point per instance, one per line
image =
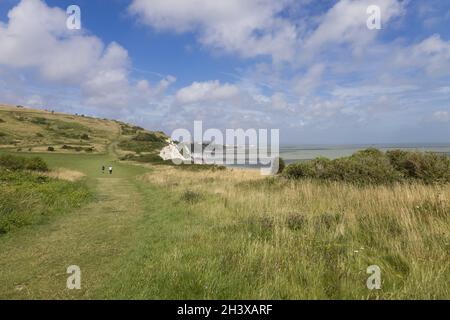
(292, 153)
(307, 152)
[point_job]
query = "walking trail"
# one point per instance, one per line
(34, 260)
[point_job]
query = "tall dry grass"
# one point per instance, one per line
(65, 174)
(275, 238)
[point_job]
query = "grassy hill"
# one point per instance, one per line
(30, 130)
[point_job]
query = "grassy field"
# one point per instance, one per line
(162, 232)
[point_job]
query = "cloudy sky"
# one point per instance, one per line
(312, 69)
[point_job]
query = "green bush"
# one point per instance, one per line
(148, 136)
(29, 198)
(191, 197)
(39, 120)
(371, 166)
(142, 146)
(50, 149)
(428, 167)
(144, 142)
(21, 163)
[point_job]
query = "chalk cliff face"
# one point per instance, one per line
(171, 152)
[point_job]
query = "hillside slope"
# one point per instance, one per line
(30, 130)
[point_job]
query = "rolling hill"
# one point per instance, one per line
(30, 130)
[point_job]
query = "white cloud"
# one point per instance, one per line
(279, 101)
(36, 38)
(206, 91)
(371, 91)
(312, 78)
(441, 116)
(346, 23)
(433, 54)
(249, 28)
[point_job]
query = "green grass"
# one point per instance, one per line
(160, 232)
(28, 198)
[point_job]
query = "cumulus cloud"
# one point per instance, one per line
(249, 28)
(432, 54)
(346, 23)
(310, 80)
(206, 91)
(36, 38)
(441, 116)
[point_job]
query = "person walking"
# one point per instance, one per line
(103, 169)
(110, 170)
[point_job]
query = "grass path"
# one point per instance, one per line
(34, 260)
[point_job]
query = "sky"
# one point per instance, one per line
(312, 69)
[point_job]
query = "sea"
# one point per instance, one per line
(306, 152)
(296, 153)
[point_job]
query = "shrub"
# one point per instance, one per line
(39, 120)
(296, 221)
(141, 146)
(21, 163)
(84, 136)
(149, 137)
(36, 164)
(30, 199)
(2, 121)
(371, 166)
(50, 149)
(428, 167)
(191, 197)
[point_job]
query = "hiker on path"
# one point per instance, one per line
(110, 170)
(103, 169)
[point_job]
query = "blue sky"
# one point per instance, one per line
(309, 68)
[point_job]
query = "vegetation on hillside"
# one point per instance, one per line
(31, 130)
(144, 142)
(373, 166)
(29, 197)
(16, 163)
